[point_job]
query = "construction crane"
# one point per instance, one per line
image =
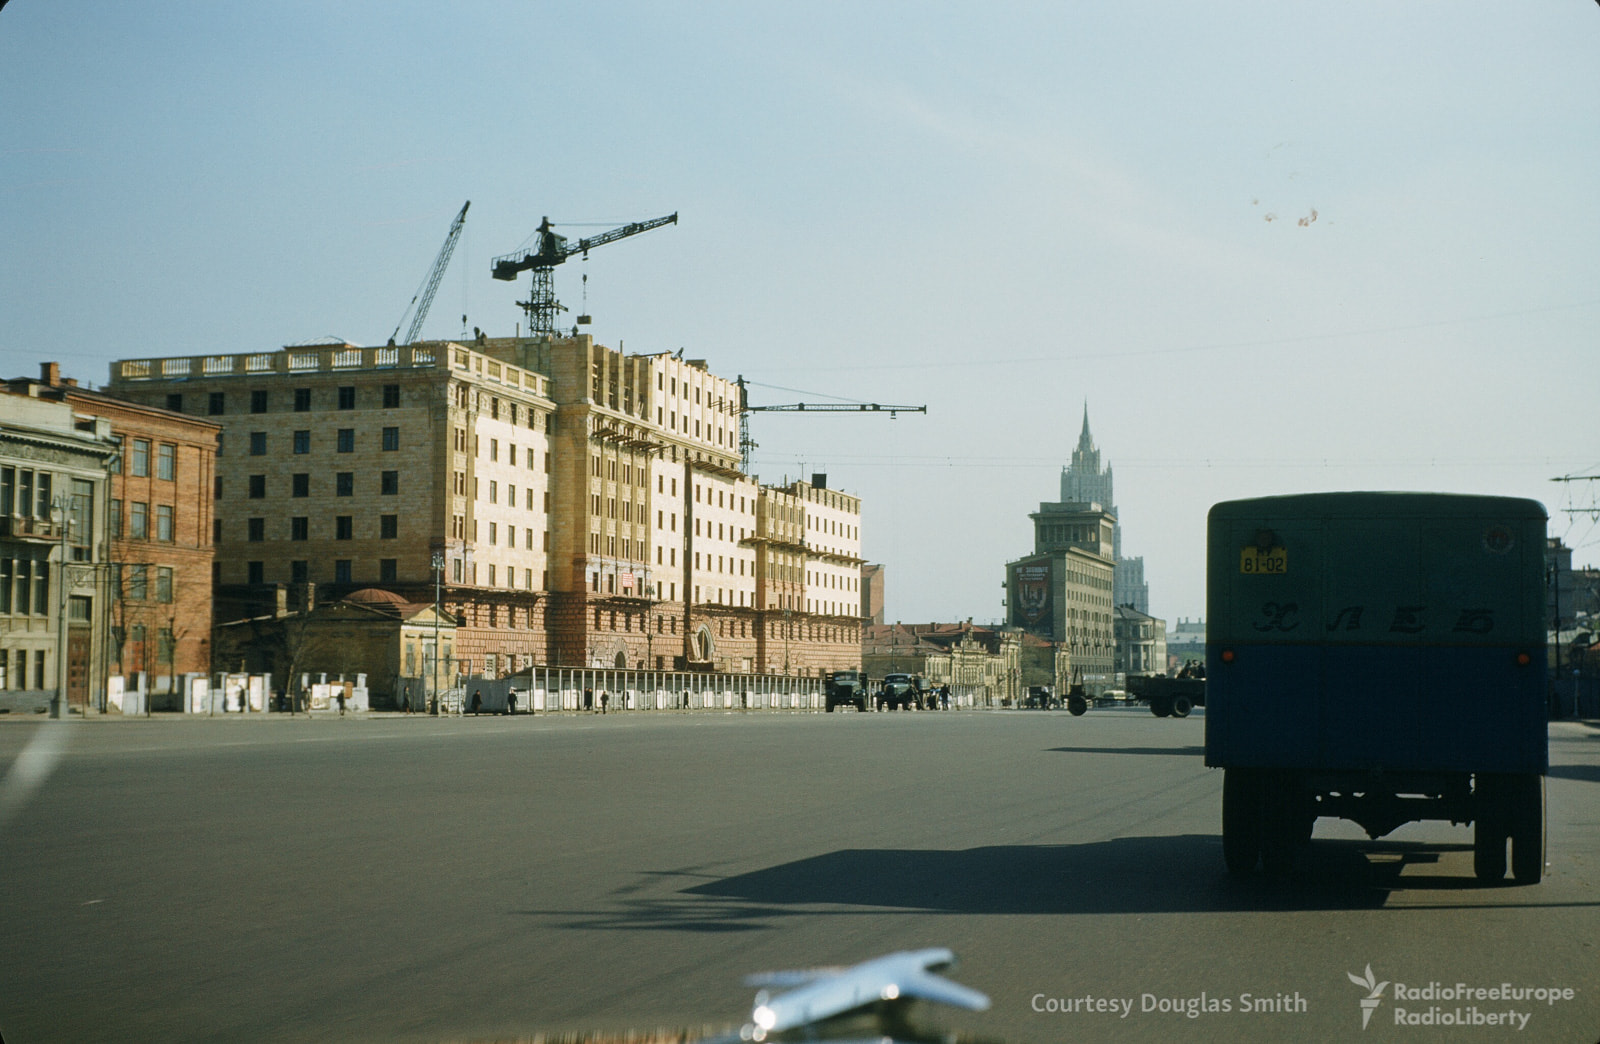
(548, 251)
(424, 295)
(744, 409)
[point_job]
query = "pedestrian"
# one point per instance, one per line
(408, 699)
(588, 700)
(341, 703)
(603, 701)
(477, 701)
(511, 703)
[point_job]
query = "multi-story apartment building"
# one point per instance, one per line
(54, 556)
(1141, 642)
(581, 506)
(1064, 590)
(159, 523)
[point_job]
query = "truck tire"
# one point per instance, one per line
(1160, 708)
(1525, 817)
(1181, 707)
(1078, 706)
(1287, 819)
(1489, 829)
(1241, 820)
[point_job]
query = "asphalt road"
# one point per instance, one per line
(474, 879)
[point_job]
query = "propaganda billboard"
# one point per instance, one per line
(1031, 603)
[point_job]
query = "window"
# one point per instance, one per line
(258, 401)
(141, 458)
(344, 527)
(347, 440)
(138, 583)
(216, 535)
(302, 441)
(255, 573)
(164, 584)
(388, 569)
(214, 404)
(391, 439)
(301, 485)
(299, 528)
(494, 492)
(347, 397)
(257, 530)
(258, 443)
(166, 462)
(139, 521)
(175, 402)
(164, 522)
(344, 484)
(258, 487)
(390, 483)
(391, 396)
(302, 400)
(494, 449)
(389, 527)
(299, 571)
(341, 571)
(115, 521)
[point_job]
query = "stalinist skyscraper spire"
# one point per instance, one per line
(1084, 481)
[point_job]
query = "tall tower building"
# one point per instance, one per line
(1084, 481)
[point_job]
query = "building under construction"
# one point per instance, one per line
(570, 504)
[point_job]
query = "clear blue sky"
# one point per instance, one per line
(1276, 247)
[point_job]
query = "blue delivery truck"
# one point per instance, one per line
(1378, 657)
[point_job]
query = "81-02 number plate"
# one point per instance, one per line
(1253, 561)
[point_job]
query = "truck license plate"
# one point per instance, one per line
(1253, 560)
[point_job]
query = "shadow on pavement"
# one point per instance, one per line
(1135, 875)
(1586, 773)
(1192, 751)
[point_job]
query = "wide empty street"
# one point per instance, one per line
(415, 879)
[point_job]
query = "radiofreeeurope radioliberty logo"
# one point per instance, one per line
(1374, 989)
(1458, 1004)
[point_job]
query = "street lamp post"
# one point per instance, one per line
(61, 508)
(438, 575)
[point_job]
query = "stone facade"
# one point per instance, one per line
(582, 507)
(983, 663)
(160, 525)
(1063, 592)
(1141, 641)
(55, 553)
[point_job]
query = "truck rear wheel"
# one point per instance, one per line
(1489, 830)
(1525, 817)
(1078, 706)
(1181, 707)
(1241, 820)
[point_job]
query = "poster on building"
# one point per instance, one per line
(1031, 605)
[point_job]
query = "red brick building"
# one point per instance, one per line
(160, 524)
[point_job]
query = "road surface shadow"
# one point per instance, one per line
(1133, 875)
(1194, 751)
(1586, 773)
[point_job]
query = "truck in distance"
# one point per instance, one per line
(846, 688)
(1378, 657)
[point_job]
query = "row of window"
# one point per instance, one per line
(25, 492)
(344, 441)
(344, 485)
(137, 453)
(300, 528)
(15, 676)
(138, 519)
(261, 400)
